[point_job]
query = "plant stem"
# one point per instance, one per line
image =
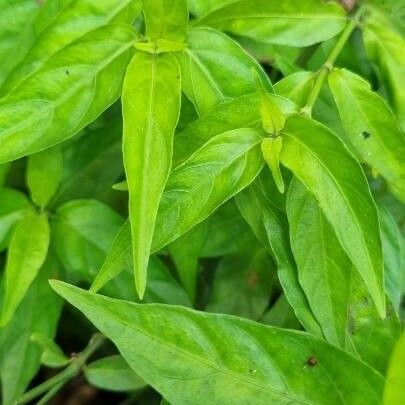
(328, 65)
(67, 374)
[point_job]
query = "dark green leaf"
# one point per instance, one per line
(324, 270)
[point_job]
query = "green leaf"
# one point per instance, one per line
(215, 69)
(58, 25)
(165, 19)
(281, 314)
(370, 337)
(114, 374)
(284, 23)
(212, 175)
(194, 365)
(26, 255)
(91, 164)
(384, 46)
(240, 112)
(393, 244)
(371, 127)
(44, 172)
(271, 149)
(270, 226)
(151, 108)
(242, 285)
(322, 163)
(20, 358)
(52, 354)
(17, 21)
(14, 206)
(323, 267)
(394, 390)
(185, 252)
(69, 91)
(82, 232)
(202, 7)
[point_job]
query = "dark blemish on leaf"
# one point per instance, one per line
(252, 370)
(252, 279)
(67, 72)
(312, 361)
(178, 76)
(366, 134)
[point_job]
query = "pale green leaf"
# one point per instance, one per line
(370, 127)
(58, 25)
(271, 149)
(194, 365)
(384, 46)
(202, 7)
(324, 270)
(52, 354)
(151, 107)
(394, 390)
(69, 91)
(215, 69)
(241, 112)
(165, 19)
(285, 23)
(26, 255)
(44, 172)
(321, 162)
(114, 374)
(211, 176)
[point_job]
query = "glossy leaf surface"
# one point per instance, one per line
(322, 163)
(245, 368)
(151, 107)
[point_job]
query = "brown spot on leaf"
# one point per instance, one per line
(312, 361)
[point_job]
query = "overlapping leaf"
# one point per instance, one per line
(286, 23)
(322, 163)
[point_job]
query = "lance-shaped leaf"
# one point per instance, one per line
(70, 90)
(44, 172)
(212, 175)
(285, 23)
(394, 390)
(215, 69)
(323, 266)
(321, 162)
(151, 108)
(52, 354)
(57, 25)
(26, 254)
(39, 311)
(270, 226)
(384, 46)
(166, 22)
(216, 172)
(14, 205)
(370, 127)
(222, 359)
(271, 149)
(240, 112)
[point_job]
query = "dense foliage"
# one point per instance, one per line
(257, 149)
